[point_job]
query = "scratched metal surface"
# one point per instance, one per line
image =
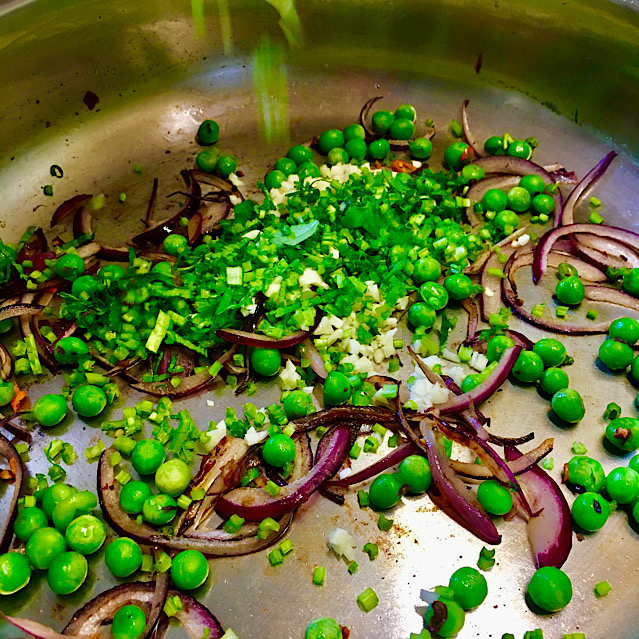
(98, 151)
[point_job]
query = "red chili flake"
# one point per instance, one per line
(402, 166)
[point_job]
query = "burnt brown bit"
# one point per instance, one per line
(90, 100)
(440, 614)
(622, 433)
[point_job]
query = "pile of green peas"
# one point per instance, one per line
(591, 509)
(616, 352)
(569, 290)
(467, 589)
(213, 161)
(543, 366)
(529, 196)
(58, 532)
(506, 145)
(413, 476)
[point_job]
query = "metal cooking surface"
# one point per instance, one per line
(424, 547)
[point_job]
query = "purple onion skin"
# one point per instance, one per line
(550, 532)
(8, 451)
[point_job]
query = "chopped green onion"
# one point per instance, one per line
(538, 310)
(93, 452)
(383, 523)
(147, 563)
(595, 218)
(595, 201)
(486, 558)
(562, 311)
(537, 633)
(124, 444)
(578, 448)
(53, 449)
(591, 314)
(363, 498)
(249, 476)
(123, 477)
(393, 441)
(548, 463)
(115, 459)
(172, 606)
(379, 429)
(372, 550)
(352, 567)
(356, 449)
(162, 561)
(286, 547)
(272, 488)
(276, 557)
(183, 502)
(613, 410)
(319, 575)
(368, 600)
(602, 589)
(57, 473)
(266, 527)
(162, 325)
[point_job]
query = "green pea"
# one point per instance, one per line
(455, 618)
(111, 273)
(85, 534)
(427, 269)
(590, 511)
(623, 433)
(159, 509)
(528, 367)
(278, 450)
(308, 170)
(634, 369)
(566, 270)
(50, 410)
(507, 221)
(54, 495)
(551, 351)
(519, 149)
(173, 477)
(337, 156)
(43, 546)
(406, 111)
(495, 498)
(634, 463)
(401, 129)
(570, 291)
(27, 521)
(434, 294)
(622, 485)
(470, 587)
(421, 314)
(472, 172)
(553, 380)
(225, 166)
(65, 511)
(584, 474)
(208, 132)
(384, 490)
(494, 200)
(266, 361)
(471, 381)
(497, 346)
(123, 557)
(550, 589)
(189, 569)
(297, 404)
(300, 154)
(69, 266)
(356, 148)
(88, 400)
(174, 244)
(286, 166)
(625, 329)
(85, 284)
(70, 350)
(331, 139)
(15, 572)
(568, 405)
(147, 456)
(128, 622)
(337, 388)
(381, 121)
(519, 199)
(323, 628)
(616, 355)
(420, 148)
(414, 473)
(543, 204)
(494, 145)
(353, 132)
(456, 155)
(378, 149)
(534, 184)
(275, 179)
(459, 286)
(206, 161)
(630, 282)
(133, 495)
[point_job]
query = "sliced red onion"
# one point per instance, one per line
(313, 356)
(82, 223)
(470, 306)
(188, 386)
(155, 235)
(214, 180)
(8, 423)
(468, 136)
(196, 618)
(492, 461)
(20, 309)
(461, 499)
(262, 341)
(70, 207)
(386, 462)
(590, 179)
(254, 504)
(339, 414)
(35, 246)
(217, 475)
(114, 253)
(150, 209)
(486, 388)
(37, 629)
(491, 304)
(517, 466)
(545, 245)
(363, 114)
(194, 229)
(521, 167)
(477, 191)
(561, 175)
(8, 451)
(611, 295)
(515, 304)
(550, 532)
(605, 252)
(6, 363)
